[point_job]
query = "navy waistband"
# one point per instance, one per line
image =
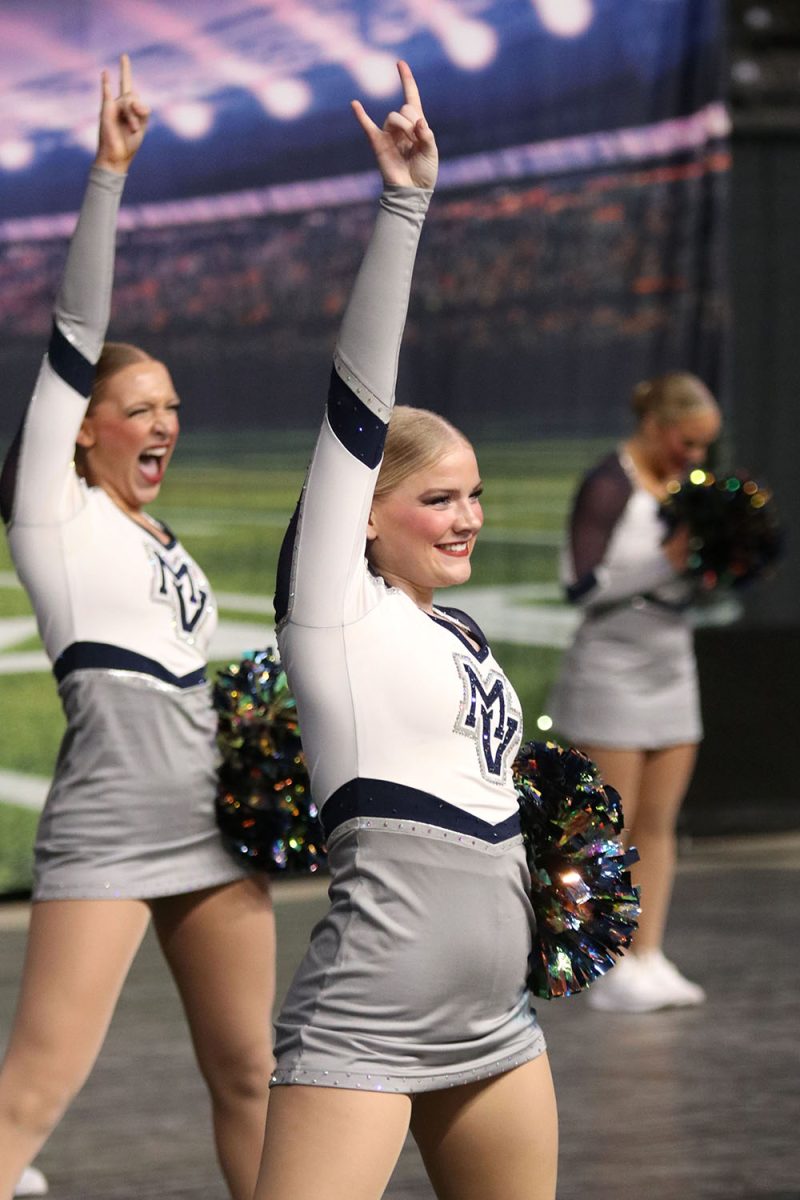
(100, 656)
(640, 600)
(379, 798)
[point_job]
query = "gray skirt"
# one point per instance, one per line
(629, 681)
(415, 979)
(130, 813)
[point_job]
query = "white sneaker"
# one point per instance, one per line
(31, 1183)
(627, 988)
(678, 991)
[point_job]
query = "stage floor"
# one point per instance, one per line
(682, 1105)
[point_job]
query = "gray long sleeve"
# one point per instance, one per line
(373, 323)
(83, 303)
(38, 483)
(321, 573)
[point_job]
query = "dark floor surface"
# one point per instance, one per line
(682, 1105)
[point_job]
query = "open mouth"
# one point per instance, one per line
(152, 464)
(454, 549)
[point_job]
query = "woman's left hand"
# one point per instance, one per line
(123, 121)
(405, 147)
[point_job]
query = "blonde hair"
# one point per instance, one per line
(114, 357)
(416, 439)
(671, 397)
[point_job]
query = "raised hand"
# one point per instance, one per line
(405, 147)
(122, 121)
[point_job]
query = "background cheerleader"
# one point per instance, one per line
(128, 829)
(627, 691)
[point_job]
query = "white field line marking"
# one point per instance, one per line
(245, 602)
(508, 613)
(231, 640)
(27, 791)
(24, 662)
(14, 630)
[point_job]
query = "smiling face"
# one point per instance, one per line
(128, 436)
(421, 533)
(674, 448)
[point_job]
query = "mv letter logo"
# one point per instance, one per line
(175, 586)
(489, 715)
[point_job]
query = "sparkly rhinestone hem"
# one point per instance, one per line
(108, 891)
(406, 1084)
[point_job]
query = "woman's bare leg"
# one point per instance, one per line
(664, 783)
(78, 955)
(327, 1143)
(652, 784)
(220, 946)
(623, 770)
(493, 1140)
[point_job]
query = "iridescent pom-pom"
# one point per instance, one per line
(585, 904)
(264, 807)
(734, 531)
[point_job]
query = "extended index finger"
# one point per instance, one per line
(125, 75)
(410, 89)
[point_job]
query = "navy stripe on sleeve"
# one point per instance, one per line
(8, 478)
(283, 581)
(69, 364)
(356, 427)
(576, 591)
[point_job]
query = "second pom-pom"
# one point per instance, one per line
(585, 904)
(264, 807)
(734, 532)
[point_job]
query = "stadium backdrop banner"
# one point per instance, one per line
(575, 244)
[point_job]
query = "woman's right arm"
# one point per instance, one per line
(34, 487)
(592, 578)
(322, 558)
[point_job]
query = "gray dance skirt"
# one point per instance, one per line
(130, 814)
(415, 979)
(629, 681)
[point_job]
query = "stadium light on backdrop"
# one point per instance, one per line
(85, 136)
(374, 71)
(284, 98)
(191, 119)
(471, 45)
(16, 155)
(565, 18)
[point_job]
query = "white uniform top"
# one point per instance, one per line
(615, 556)
(386, 693)
(107, 593)
(629, 679)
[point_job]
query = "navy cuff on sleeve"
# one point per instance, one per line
(69, 364)
(356, 426)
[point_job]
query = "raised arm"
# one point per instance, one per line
(84, 299)
(322, 560)
(33, 486)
